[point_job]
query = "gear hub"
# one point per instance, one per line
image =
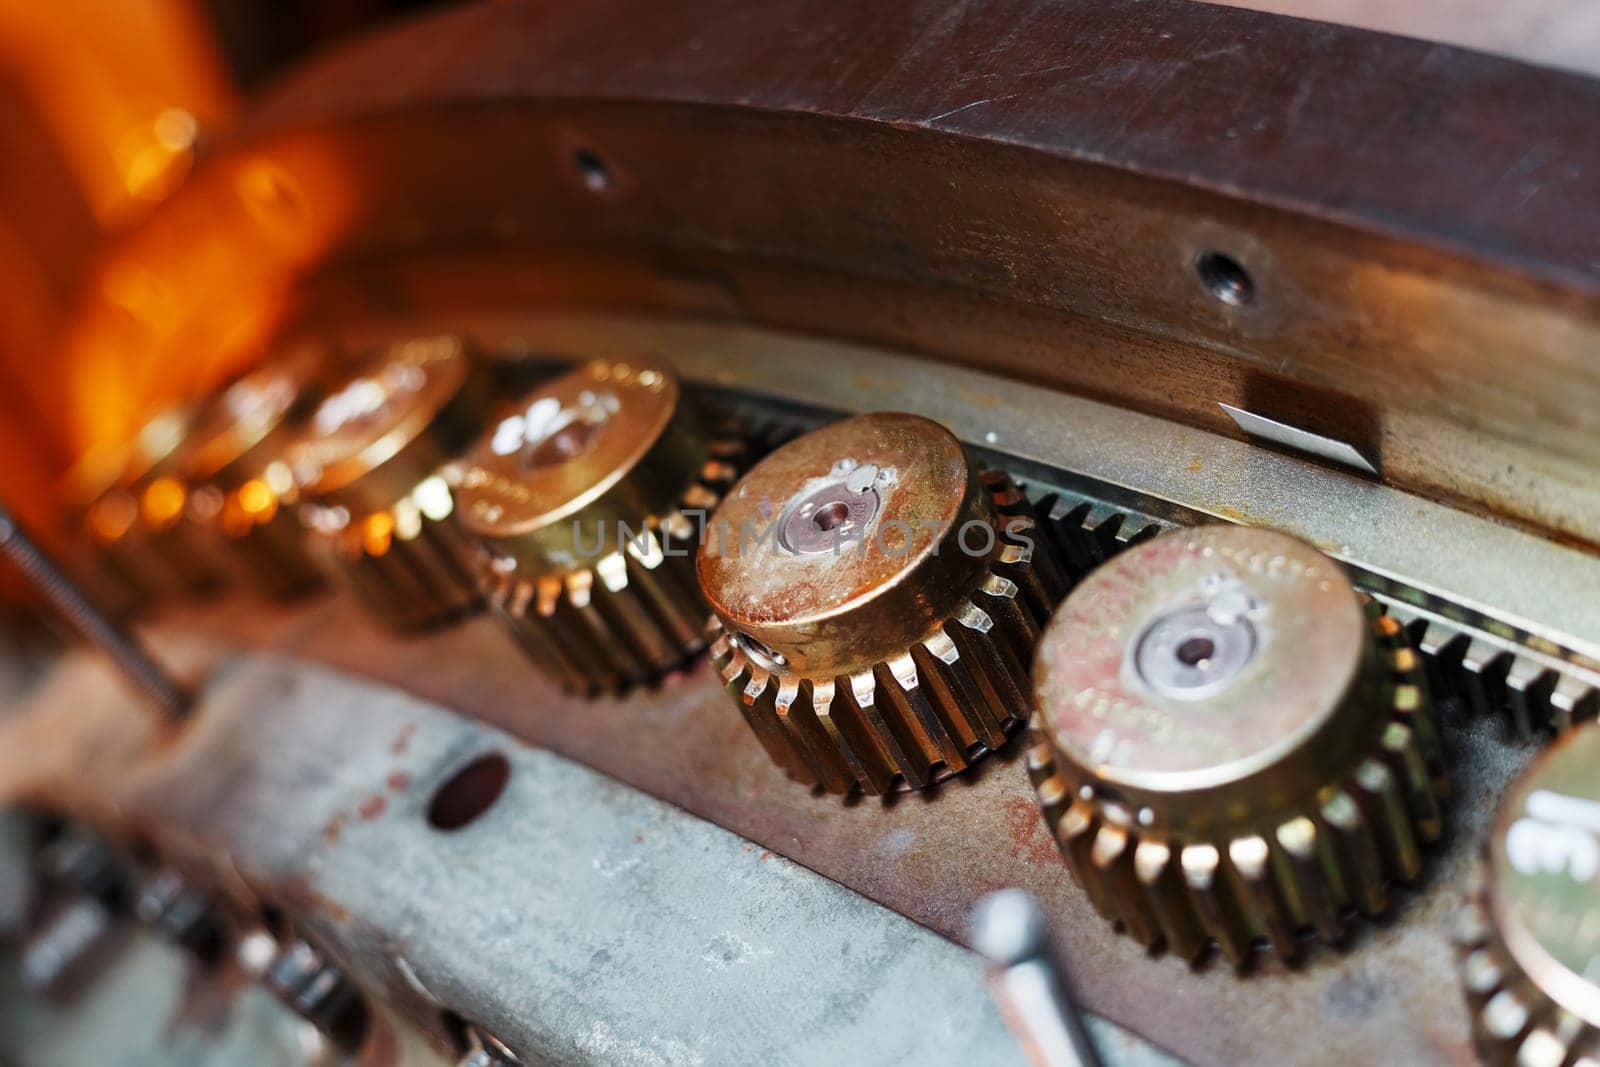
(1233, 745)
(876, 603)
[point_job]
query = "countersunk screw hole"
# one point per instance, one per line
(469, 792)
(831, 515)
(592, 170)
(1225, 278)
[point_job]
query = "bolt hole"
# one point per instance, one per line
(1226, 279)
(469, 792)
(831, 515)
(1196, 650)
(594, 172)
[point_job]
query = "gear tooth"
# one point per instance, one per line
(1546, 1047)
(1252, 861)
(1379, 792)
(928, 704)
(1075, 834)
(989, 635)
(1442, 647)
(1402, 752)
(954, 696)
(1573, 701)
(1528, 688)
(1470, 926)
(850, 736)
(1055, 796)
(762, 709)
(664, 582)
(409, 584)
(1483, 676)
(1355, 849)
(807, 732)
(892, 733)
(1505, 1016)
(901, 686)
(1161, 883)
(1481, 974)
(1112, 857)
(1214, 901)
(1313, 878)
(968, 667)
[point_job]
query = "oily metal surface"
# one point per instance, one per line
(931, 855)
(1060, 172)
(577, 919)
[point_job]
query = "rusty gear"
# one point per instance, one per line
(586, 505)
(1233, 745)
(368, 464)
(876, 633)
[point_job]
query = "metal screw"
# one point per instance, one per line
(136, 665)
(1009, 930)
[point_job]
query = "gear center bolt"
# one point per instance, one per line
(825, 517)
(1196, 650)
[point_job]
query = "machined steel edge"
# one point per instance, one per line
(1503, 617)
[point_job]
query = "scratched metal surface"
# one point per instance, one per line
(1391, 998)
(577, 919)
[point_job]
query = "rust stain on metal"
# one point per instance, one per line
(373, 806)
(402, 740)
(1030, 839)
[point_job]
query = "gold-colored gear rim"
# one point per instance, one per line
(1281, 873)
(586, 506)
(929, 712)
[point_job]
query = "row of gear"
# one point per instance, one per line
(1232, 745)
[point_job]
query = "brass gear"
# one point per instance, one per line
(146, 526)
(231, 454)
(879, 635)
(368, 464)
(1529, 932)
(1233, 745)
(586, 506)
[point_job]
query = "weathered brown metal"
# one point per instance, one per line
(876, 602)
(1390, 997)
(1033, 187)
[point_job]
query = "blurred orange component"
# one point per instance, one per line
(163, 501)
(102, 104)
